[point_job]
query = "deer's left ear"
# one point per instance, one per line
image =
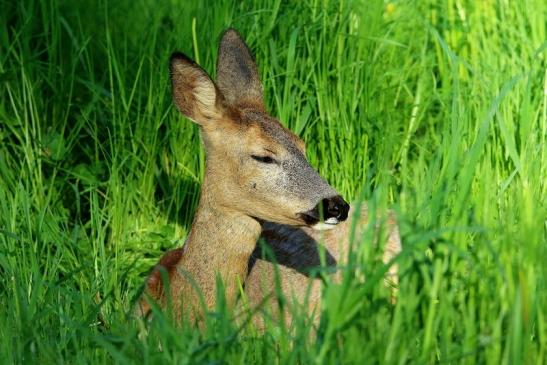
(237, 74)
(194, 93)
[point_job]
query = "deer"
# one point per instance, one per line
(257, 183)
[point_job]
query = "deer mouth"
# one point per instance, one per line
(326, 225)
(315, 223)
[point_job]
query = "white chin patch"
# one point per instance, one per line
(326, 225)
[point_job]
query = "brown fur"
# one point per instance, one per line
(220, 243)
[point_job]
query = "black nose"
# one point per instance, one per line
(335, 207)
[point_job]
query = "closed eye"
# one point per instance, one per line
(263, 159)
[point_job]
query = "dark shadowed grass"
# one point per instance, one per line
(437, 109)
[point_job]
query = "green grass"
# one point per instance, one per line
(435, 108)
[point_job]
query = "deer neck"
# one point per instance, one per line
(220, 242)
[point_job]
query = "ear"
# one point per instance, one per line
(237, 74)
(194, 93)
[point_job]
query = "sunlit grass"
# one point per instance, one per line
(435, 109)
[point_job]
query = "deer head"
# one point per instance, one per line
(255, 166)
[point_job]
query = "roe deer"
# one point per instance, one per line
(256, 171)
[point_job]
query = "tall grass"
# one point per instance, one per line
(437, 109)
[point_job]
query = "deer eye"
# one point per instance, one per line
(263, 159)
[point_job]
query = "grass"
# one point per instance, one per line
(437, 109)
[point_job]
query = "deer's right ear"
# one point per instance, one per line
(194, 93)
(237, 74)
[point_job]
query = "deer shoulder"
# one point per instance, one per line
(297, 253)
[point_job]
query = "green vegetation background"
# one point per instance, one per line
(435, 108)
